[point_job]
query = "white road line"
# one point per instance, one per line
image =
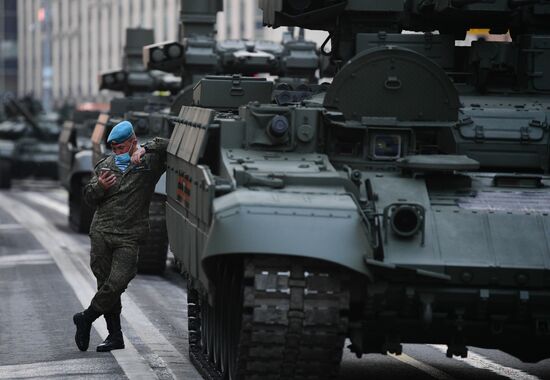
(480, 361)
(32, 257)
(432, 371)
(151, 336)
(61, 368)
(131, 362)
(41, 199)
(171, 358)
(10, 226)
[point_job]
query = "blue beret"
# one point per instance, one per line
(121, 132)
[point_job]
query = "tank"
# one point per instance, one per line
(28, 141)
(406, 204)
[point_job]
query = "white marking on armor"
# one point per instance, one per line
(131, 362)
(481, 362)
(42, 200)
(432, 371)
(61, 368)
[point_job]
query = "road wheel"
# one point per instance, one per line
(80, 213)
(153, 253)
(5, 174)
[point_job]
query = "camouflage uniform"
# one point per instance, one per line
(121, 222)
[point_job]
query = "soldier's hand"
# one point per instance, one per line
(106, 179)
(138, 154)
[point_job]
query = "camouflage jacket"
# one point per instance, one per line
(123, 209)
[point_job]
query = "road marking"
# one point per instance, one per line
(32, 257)
(42, 200)
(171, 358)
(61, 368)
(146, 331)
(480, 361)
(151, 336)
(432, 371)
(10, 226)
(131, 362)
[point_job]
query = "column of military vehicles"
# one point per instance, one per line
(197, 55)
(408, 203)
(83, 142)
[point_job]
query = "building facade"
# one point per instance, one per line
(65, 44)
(8, 46)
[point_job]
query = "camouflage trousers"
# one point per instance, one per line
(113, 260)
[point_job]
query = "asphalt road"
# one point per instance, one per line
(45, 279)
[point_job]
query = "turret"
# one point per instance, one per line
(134, 77)
(486, 99)
(198, 54)
(356, 26)
(18, 108)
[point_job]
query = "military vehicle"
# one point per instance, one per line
(75, 165)
(198, 54)
(406, 204)
(28, 141)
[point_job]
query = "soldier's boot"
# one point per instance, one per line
(83, 322)
(114, 340)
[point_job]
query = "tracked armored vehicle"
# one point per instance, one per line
(407, 204)
(28, 141)
(198, 54)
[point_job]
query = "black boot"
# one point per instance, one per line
(114, 340)
(83, 322)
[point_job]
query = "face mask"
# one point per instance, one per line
(123, 158)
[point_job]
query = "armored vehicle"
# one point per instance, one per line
(28, 141)
(75, 165)
(197, 54)
(406, 204)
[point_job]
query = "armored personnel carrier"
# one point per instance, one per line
(28, 141)
(407, 204)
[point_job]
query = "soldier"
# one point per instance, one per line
(121, 191)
